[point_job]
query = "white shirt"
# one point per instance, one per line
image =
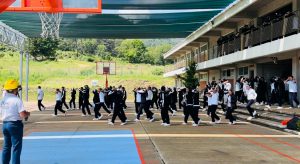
(209, 101)
(237, 87)
(149, 95)
(215, 99)
(58, 96)
(227, 86)
(101, 96)
(10, 107)
(272, 87)
(3, 93)
(251, 94)
(292, 86)
(40, 93)
(138, 97)
(229, 101)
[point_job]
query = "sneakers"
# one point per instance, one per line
(83, 115)
(219, 121)
(54, 115)
(99, 118)
(110, 123)
(65, 113)
(174, 113)
(165, 125)
(123, 123)
(212, 123)
(290, 107)
(298, 106)
(137, 120)
(254, 113)
(234, 122)
(249, 118)
(152, 120)
(257, 103)
(279, 107)
(184, 123)
(95, 119)
(195, 125)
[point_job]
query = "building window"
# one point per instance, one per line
(243, 71)
(228, 73)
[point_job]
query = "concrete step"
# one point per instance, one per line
(274, 110)
(277, 117)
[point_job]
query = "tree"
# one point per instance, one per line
(134, 51)
(43, 48)
(189, 80)
(156, 53)
(102, 52)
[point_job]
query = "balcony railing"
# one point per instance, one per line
(281, 27)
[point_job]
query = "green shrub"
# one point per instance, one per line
(157, 72)
(37, 78)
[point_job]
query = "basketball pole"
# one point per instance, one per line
(106, 81)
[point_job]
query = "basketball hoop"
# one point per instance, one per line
(50, 24)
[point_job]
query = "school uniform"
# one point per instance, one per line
(143, 105)
(165, 100)
(58, 105)
(73, 97)
(231, 106)
(251, 97)
(85, 102)
(96, 100)
(214, 105)
(102, 102)
(155, 98)
(40, 98)
(118, 106)
(63, 98)
(80, 99)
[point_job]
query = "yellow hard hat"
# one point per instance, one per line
(11, 84)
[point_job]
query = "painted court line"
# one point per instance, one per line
(155, 135)
(105, 121)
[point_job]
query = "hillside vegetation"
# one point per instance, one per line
(76, 72)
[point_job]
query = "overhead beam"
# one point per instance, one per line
(194, 44)
(213, 33)
(227, 25)
(201, 40)
(246, 15)
(11, 37)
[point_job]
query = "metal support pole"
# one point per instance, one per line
(21, 72)
(27, 74)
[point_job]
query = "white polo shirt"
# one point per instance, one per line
(58, 96)
(101, 97)
(40, 93)
(215, 99)
(138, 97)
(149, 95)
(292, 86)
(10, 107)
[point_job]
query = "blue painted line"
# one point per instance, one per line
(80, 150)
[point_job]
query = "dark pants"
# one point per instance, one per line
(213, 109)
(96, 110)
(40, 105)
(104, 107)
(146, 108)
(193, 112)
(13, 134)
(154, 101)
(72, 102)
(238, 95)
(180, 105)
(80, 102)
(63, 101)
(137, 105)
(250, 110)
(293, 98)
(229, 114)
(58, 106)
(205, 103)
(118, 111)
(173, 106)
(165, 115)
(85, 105)
(124, 104)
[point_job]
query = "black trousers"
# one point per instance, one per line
(229, 114)
(80, 103)
(58, 106)
(205, 103)
(96, 110)
(104, 107)
(63, 101)
(179, 103)
(213, 109)
(173, 106)
(118, 111)
(72, 102)
(40, 105)
(137, 108)
(124, 104)
(146, 107)
(165, 115)
(85, 105)
(154, 101)
(250, 110)
(193, 112)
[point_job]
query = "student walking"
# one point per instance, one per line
(40, 97)
(102, 101)
(292, 84)
(58, 105)
(118, 107)
(165, 100)
(63, 97)
(231, 106)
(73, 97)
(80, 98)
(86, 102)
(213, 104)
(251, 97)
(96, 100)
(12, 109)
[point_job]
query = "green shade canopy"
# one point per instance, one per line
(174, 21)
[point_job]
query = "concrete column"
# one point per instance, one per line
(296, 5)
(296, 69)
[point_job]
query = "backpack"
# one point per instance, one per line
(292, 124)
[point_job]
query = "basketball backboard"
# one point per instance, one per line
(53, 6)
(106, 68)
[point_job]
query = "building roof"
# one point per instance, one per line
(128, 19)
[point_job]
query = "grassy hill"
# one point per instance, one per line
(76, 73)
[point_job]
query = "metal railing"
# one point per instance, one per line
(281, 27)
